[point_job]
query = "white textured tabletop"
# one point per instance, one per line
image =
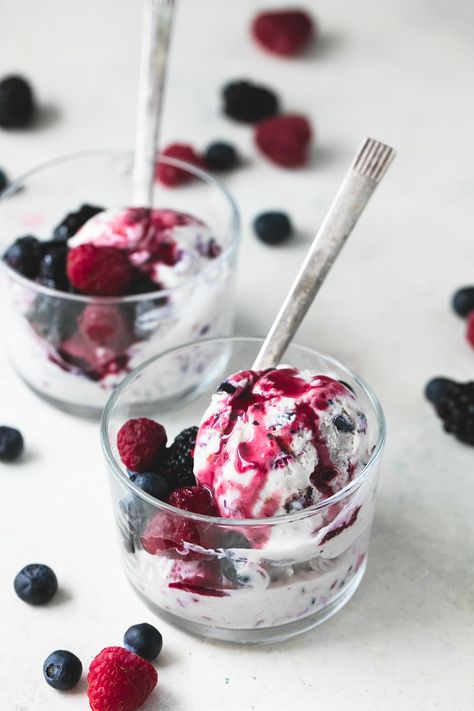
(400, 71)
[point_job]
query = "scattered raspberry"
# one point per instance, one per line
(119, 680)
(470, 328)
(283, 32)
(284, 139)
(99, 271)
(197, 499)
(141, 443)
(104, 326)
(248, 102)
(171, 175)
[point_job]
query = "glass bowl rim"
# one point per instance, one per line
(131, 298)
(252, 522)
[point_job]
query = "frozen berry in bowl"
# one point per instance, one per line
(52, 268)
(248, 102)
(178, 462)
(62, 670)
(141, 444)
(145, 640)
(98, 271)
(221, 156)
(11, 443)
(36, 584)
(151, 483)
(73, 221)
(285, 139)
(273, 227)
(17, 105)
(24, 256)
(284, 32)
(119, 679)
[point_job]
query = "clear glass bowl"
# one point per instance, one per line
(237, 580)
(40, 322)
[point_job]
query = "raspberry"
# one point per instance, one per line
(140, 443)
(172, 175)
(283, 32)
(284, 139)
(454, 404)
(202, 578)
(119, 680)
(197, 499)
(470, 328)
(179, 462)
(104, 326)
(249, 103)
(99, 271)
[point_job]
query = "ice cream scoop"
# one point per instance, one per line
(279, 440)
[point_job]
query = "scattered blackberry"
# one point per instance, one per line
(24, 256)
(16, 102)
(62, 670)
(11, 444)
(36, 584)
(221, 156)
(178, 463)
(52, 268)
(3, 181)
(54, 319)
(273, 227)
(74, 221)
(454, 404)
(249, 103)
(154, 484)
(144, 640)
(463, 301)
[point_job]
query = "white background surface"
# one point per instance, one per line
(400, 71)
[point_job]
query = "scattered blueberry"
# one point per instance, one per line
(11, 444)
(35, 584)
(247, 102)
(454, 404)
(144, 640)
(24, 256)
(154, 484)
(16, 102)
(74, 221)
(463, 301)
(62, 670)
(273, 227)
(3, 181)
(52, 268)
(343, 424)
(221, 156)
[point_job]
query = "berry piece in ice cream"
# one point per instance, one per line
(98, 271)
(172, 175)
(36, 584)
(285, 139)
(119, 680)
(248, 102)
(283, 32)
(17, 106)
(277, 443)
(197, 499)
(144, 640)
(141, 443)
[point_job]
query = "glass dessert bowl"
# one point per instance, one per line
(243, 579)
(72, 347)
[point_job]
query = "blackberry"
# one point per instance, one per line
(454, 404)
(54, 319)
(62, 669)
(74, 221)
(178, 463)
(3, 181)
(16, 102)
(52, 268)
(11, 444)
(221, 156)
(273, 227)
(35, 584)
(463, 301)
(144, 640)
(24, 256)
(249, 103)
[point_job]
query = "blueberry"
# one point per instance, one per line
(3, 181)
(11, 444)
(226, 387)
(153, 484)
(16, 102)
(54, 318)
(52, 268)
(144, 640)
(74, 221)
(221, 156)
(463, 301)
(35, 584)
(343, 424)
(62, 669)
(249, 103)
(437, 388)
(234, 571)
(24, 256)
(273, 227)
